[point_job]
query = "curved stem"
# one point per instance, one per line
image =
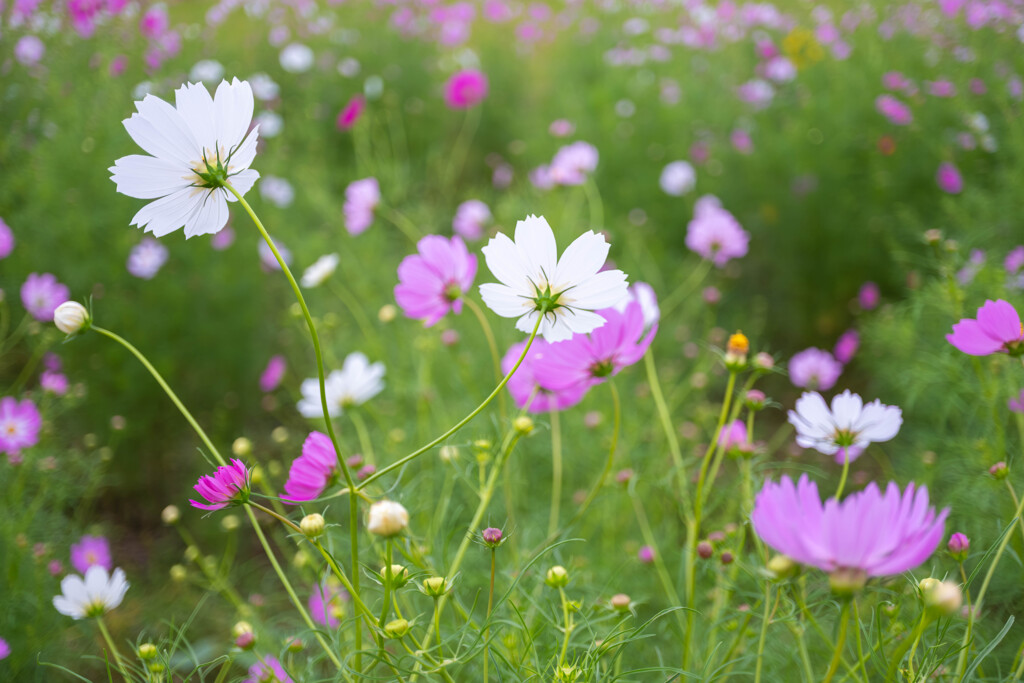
(167, 390)
(288, 586)
(844, 617)
(113, 648)
(556, 472)
(400, 221)
(897, 656)
(457, 160)
(666, 425)
(461, 423)
(490, 606)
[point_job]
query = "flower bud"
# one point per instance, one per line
(312, 525)
(755, 400)
(229, 522)
(396, 628)
(387, 518)
(170, 515)
(448, 453)
(294, 644)
(782, 567)
(941, 598)
(241, 447)
(399, 575)
(355, 461)
(999, 470)
(178, 573)
(736, 351)
(764, 362)
(620, 602)
(557, 577)
(727, 557)
(523, 424)
(933, 236)
(958, 546)
(387, 313)
(492, 537)
(435, 586)
(645, 554)
(846, 581)
(245, 641)
(191, 553)
(705, 550)
(623, 476)
(147, 651)
(71, 317)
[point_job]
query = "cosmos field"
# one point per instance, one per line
(510, 341)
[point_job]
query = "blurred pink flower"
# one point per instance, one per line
(465, 89)
(351, 113)
(89, 551)
(714, 233)
(868, 296)
(155, 22)
(814, 369)
(42, 294)
(268, 670)
(313, 471)
(272, 374)
(997, 329)
(524, 386)
(361, 198)
(940, 88)
(29, 50)
(470, 218)
(6, 240)
(432, 282)
(891, 108)
(949, 179)
(733, 435)
(572, 163)
(326, 603)
(846, 346)
(1016, 403)
(561, 128)
(54, 382)
(19, 425)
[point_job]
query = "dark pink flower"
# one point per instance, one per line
(19, 425)
(465, 89)
(432, 282)
(351, 113)
(949, 179)
(868, 296)
(272, 375)
(6, 239)
(997, 329)
(313, 471)
(524, 387)
(91, 550)
(268, 670)
(154, 22)
(228, 485)
(846, 346)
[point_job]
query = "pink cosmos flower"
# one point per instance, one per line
(42, 294)
(19, 425)
(313, 471)
(573, 163)
(6, 239)
(561, 128)
(997, 329)
(891, 108)
(154, 22)
(714, 233)
(1014, 260)
(524, 386)
(814, 369)
(465, 89)
(590, 359)
(228, 485)
(361, 198)
(272, 374)
(868, 296)
(949, 179)
(147, 258)
(432, 281)
(54, 382)
(733, 435)
(870, 533)
(470, 219)
(91, 550)
(940, 88)
(894, 80)
(29, 50)
(847, 346)
(223, 239)
(351, 113)
(326, 602)
(268, 670)
(5, 649)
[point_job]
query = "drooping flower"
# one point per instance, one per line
(869, 533)
(322, 268)
(361, 198)
(814, 368)
(147, 258)
(677, 178)
(268, 670)
(272, 374)
(42, 294)
(197, 148)
(6, 239)
(327, 602)
(465, 89)
(590, 359)
(433, 281)
(714, 233)
(532, 276)
(573, 163)
(93, 596)
(997, 329)
(351, 113)
(948, 178)
(526, 391)
(356, 383)
(89, 551)
(227, 486)
(846, 429)
(313, 471)
(19, 425)
(470, 219)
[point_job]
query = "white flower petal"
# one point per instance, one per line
(146, 177)
(812, 418)
(210, 217)
(580, 321)
(602, 290)
(234, 106)
(846, 408)
(163, 131)
(536, 243)
(195, 106)
(879, 422)
(242, 182)
(503, 260)
(168, 213)
(582, 259)
(505, 301)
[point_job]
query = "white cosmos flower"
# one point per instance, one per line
(94, 596)
(356, 383)
(196, 148)
(322, 269)
(849, 424)
(530, 273)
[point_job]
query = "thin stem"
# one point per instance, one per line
(491, 344)
(167, 390)
(490, 606)
(759, 659)
(457, 160)
(113, 648)
(833, 666)
(666, 425)
(364, 435)
(897, 656)
(659, 563)
(556, 472)
(400, 221)
(1016, 502)
(594, 204)
(27, 370)
(437, 630)
(352, 304)
(842, 477)
(461, 423)
(697, 276)
(288, 587)
(860, 646)
(568, 627)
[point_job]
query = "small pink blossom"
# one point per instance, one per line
(896, 111)
(228, 485)
(361, 198)
(89, 551)
(53, 382)
(20, 423)
(326, 603)
(573, 163)
(29, 50)
(949, 179)
(432, 282)
(996, 329)
(940, 88)
(814, 369)
(733, 435)
(470, 219)
(223, 239)
(868, 296)
(272, 374)
(847, 346)
(313, 471)
(561, 128)
(6, 240)
(42, 294)
(741, 141)
(1016, 403)
(351, 113)
(714, 233)
(465, 89)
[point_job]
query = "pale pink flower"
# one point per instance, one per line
(42, 294)
(470, 218)
(573, 163)
(6, 240)
(524, 386)
(20, 423)
(89, 551)
(272, 374)
(361, 198)
(814, 368)
(433, 281)
(896, 111)
(714, 233)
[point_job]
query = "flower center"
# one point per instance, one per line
(211, 171)
(602, 368)
(452, 291)
(844, 438)
(545, 299)
(11, 429)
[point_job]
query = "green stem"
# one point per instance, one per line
(842, 477)
(556, 472)
(833, 666)
(568, 627)
(167, 390)
(437, 630)
(696, 276)
(461, 423)
(594, 204)
(364, 435)
(1016, 502)
(27, 370)
(659, 563)
(402, 222)
(457, 160)
(666, 426)
(897, 656)
(491, 344)
(113, 648)
(759, 659)
(490, 606)
(288, 586)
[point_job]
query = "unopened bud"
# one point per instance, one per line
(557, 577)
(933, 236)
(387, 518)
(755, 400)
(958, 546)
(241, 628)
(170, 515)
(727, 557)
(294, 644)
(448, 453)
(620, 602)
(229, 522)
(147, 651)
(942, 598)
(241, 446)
(396, 628)
(705, 550)
(245, 641)
(999, 470)
(846, 581)
(736, 351)
(782, 567)
(387, 313)
(492, 537)
(178, 573)
(763, 361)
(523, 424)
(399, 575)
(435, 586)
(71, 317)
(312, 525)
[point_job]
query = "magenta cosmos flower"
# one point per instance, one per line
(19, 425)
(997, 329)
(432, 282)
(814, 368)
(465, 89)
(327, 603)
(268, 670)
(89, 551)
(228, 485)
(42, 294)
(526, 391)
(896, 111)
(714, 233)
(868, 534)
(948, 178)
(313, 471)
(590, 359)
(351, 113)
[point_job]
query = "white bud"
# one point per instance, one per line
(387, 518)
(71, 317)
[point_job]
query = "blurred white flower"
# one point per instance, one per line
(263, 87)
(209, 70)
(94, 596)
(296, 58)
(270, 122)
(356, 383)
(322, 269)
(678, 178)
(147, 258)
(849, 424)
(277, 191)
(196, 148)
